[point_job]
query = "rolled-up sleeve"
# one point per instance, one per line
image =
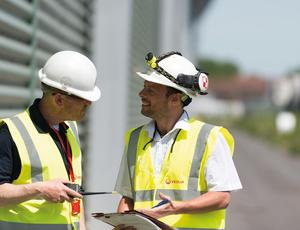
(220, 171)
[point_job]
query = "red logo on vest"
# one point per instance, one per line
(168, 181)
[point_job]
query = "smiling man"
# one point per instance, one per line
(184, 162)
(40, 152)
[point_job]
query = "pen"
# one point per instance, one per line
(164, 201)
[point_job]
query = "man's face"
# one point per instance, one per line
(154, 100)
(74, 107)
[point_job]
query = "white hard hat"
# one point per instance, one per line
(174, 65)
(73, 73)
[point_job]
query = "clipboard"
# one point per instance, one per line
(133, 218)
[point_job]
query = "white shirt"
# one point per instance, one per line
(220, 172)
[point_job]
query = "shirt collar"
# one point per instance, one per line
(39, 121)
(182, 123)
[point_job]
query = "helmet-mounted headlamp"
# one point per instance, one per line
(197, 83)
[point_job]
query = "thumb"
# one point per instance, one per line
(164, 197)
(119, 227)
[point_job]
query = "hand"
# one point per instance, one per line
(55, 191)
(162, 210)
(122, 227)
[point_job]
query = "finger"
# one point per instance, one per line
(70, 199)
(65, 197)
(119, 227)
(57, 200)
(72, 193)
(129, 228)
(70, 196)
(164, 197)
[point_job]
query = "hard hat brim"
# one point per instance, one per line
(160, 79)
(92, 95)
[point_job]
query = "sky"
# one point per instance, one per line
(261, 36)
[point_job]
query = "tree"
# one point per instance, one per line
(295, 71)
(218, 69)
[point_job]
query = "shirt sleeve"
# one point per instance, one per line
(6, 156)
(123, 184)
(220, 171)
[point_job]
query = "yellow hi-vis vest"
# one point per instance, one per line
(40, 161)
(182, 174)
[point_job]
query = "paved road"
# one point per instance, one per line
(270, 199)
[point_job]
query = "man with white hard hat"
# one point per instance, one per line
(39, 149)
(175, 168)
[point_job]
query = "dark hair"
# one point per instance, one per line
(185, 99)
(171, 91)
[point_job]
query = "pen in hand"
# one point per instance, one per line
(164, 201)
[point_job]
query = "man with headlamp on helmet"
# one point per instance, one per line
(40, 152)
(176, 169)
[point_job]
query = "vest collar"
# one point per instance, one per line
(182, 123)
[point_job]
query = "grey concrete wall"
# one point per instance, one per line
(174, 27)
(108, 116)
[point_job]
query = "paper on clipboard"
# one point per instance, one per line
(135, 219)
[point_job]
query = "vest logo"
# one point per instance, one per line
(168, 181)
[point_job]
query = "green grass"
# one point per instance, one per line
(262, 125)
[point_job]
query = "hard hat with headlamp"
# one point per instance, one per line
(72, 73)
(174, 70)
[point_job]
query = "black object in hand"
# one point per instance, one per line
(79, 189)
(164, 201)
(75, 187)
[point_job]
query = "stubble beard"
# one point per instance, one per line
(146, 113)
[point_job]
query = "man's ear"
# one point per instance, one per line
(58, 99)
(175, 98)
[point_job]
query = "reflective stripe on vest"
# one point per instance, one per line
(202, 137)
(40, 164)
(132, 148)
(198, 155)
(36, 165)
(14, 226)
(74, 130)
